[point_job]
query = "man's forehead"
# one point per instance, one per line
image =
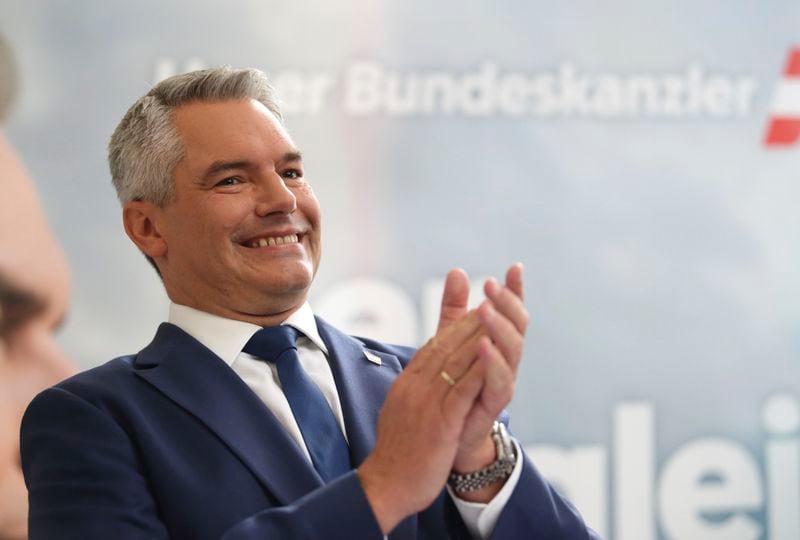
(226, 113)
(211, 130)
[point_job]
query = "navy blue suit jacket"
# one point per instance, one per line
(171, 443)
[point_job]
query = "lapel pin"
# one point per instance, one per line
(374, 358)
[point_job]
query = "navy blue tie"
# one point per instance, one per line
(318, 425)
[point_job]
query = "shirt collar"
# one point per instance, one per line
(227, 337)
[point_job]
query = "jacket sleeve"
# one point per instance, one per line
(535, 506)
(338, 510)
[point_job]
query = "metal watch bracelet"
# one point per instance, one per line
(499, 470)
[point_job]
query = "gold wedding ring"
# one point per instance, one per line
(448, 379)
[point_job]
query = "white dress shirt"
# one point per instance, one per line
(226, 338)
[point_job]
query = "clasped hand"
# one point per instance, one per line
(439, 412)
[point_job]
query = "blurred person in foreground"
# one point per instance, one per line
(34, 290)
(247, 416)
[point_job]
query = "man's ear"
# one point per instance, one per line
(142, 224)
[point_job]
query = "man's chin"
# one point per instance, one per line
(284, 293)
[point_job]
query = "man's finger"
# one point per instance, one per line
(507, 303)
(504, 334)
(455, 297)
(458, 362)
(514, 280)
(432, 356)
(461, 397)
(499, 385)
(457, 366)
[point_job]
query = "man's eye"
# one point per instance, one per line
(292, 174)
(230, 181)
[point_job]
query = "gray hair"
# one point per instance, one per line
(145, 146)
(8, 78)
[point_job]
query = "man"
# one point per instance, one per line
(246, 416)
(34, 289)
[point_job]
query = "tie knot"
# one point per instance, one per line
(271, 342)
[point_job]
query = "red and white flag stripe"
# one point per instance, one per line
(783, 128)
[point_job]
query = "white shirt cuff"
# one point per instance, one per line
(480, 518)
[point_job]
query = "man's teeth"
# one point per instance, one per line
(274, 241)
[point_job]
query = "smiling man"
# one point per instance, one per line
(230, 246)
(247, 416)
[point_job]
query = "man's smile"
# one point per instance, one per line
(272, 241)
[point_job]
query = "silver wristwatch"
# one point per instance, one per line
(497, 471)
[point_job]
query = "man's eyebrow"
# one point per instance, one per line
(17, 305)
(222, 165)
(294, 155)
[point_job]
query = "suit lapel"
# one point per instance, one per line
(196, 379)
(362, 385)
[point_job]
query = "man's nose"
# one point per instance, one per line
(274, 196)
